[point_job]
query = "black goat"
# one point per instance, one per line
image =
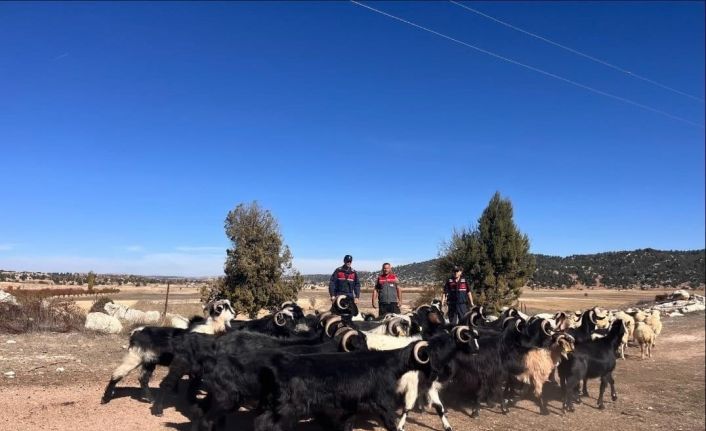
(583, 332)
(501, 356)
(336, 387)
(155, 345)
(590, 360)
(280, 324)
(197, 354)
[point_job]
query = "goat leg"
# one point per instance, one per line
(604, 382)
(613, 393)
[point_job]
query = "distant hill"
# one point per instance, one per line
(623, 269)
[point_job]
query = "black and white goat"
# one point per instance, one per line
(155, 345)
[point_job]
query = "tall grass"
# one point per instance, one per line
(37, 313)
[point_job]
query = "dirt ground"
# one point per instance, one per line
(59, 378)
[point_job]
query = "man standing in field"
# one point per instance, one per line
(344, 281)
(457, 295)
(387, 292)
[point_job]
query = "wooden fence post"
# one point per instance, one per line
(166, 302)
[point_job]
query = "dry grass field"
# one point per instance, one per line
(59, 378)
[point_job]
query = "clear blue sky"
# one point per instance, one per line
(129, 130)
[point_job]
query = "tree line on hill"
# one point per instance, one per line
(642, 268)
(90, 278)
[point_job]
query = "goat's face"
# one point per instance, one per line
(540, 332)
(565, 346)
(221, 310)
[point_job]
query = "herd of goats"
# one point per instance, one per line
(334, 365)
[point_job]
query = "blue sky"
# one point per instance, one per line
(129, 130)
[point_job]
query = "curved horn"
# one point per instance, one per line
(416, 310)
(393, 327)
(570, 338)
(323, 316)
(342, 330)
(592, 316)
(286, 303)
(505, 322)
(339, 300)
(517, 325)
(546, 327)
(459, 331)
(481, 310)
(346, 337)
(474, 315)
(417, 348)
(330, 322)
(511, 312)
(280, 320)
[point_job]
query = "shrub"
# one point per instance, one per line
(35, 313)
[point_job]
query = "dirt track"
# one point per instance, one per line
(666, 392)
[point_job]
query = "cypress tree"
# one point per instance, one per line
(258, 267)
(494, 255)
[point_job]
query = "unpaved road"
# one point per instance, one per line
(665, 392)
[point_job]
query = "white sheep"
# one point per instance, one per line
(655, 323)
(645, 336)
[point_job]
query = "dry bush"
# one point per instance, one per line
(428, 293)
(34, 314)
(98, 305)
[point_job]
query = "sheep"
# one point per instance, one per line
(339, 385)
(645, 337)
(655, 323)
(152, 345)
(637, 314)
(591, 359)
(539, 364)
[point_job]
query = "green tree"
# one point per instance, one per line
(91, 280)
(494, 255)
(258, 268)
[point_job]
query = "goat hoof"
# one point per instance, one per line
(544, 412)
(601, 407)
(448, 429)
(614, 397)
(475, 414)
(584, 394)
(105, 400)
(147, 399)
(157, 412)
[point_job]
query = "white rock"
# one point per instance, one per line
(101, 322)
(693, 307)
(10, 342)
(9, 374)
(675, 314)
(6, 297)
(60, 370)
(680, 294)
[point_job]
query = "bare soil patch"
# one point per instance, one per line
(59, 379)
